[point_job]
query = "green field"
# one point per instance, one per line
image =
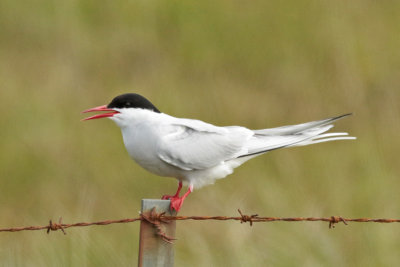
(257, 64)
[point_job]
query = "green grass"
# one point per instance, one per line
(259, 64)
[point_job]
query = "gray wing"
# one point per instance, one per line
(195, 145)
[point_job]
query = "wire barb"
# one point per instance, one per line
(156, 219)
(56, 226)
(246, 218)
(336, 219)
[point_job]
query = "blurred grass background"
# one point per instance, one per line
(260, 64)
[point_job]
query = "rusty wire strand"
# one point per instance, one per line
(157, 220)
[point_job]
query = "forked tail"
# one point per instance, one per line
(294, 135)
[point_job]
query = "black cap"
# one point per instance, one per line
(132, 101)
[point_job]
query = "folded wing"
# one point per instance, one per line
(195, 145)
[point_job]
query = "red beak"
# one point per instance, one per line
(99, 116)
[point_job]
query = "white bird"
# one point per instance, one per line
(198, 153)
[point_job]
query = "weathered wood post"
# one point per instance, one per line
(153, 250)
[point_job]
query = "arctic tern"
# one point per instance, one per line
(198, 153)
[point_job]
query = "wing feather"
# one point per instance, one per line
(195, 145)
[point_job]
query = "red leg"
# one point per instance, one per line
(176, 194)
(176, 201)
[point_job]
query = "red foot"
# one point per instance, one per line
(176, 203)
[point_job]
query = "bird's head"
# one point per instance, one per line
(121, 106)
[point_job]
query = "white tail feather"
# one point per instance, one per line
(316, 141)
(294, 135)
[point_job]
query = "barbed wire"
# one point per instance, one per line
(156, 219)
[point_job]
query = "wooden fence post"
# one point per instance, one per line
(153, 251)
